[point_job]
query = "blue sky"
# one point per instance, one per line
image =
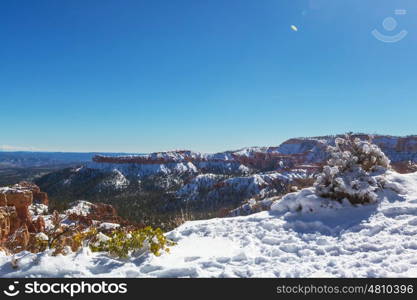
(206, 75)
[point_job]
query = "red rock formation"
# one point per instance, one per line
(15, 219)
(259, 159)
(152, 159)
(4, 223)
(99, 213)
(104, 213)
(39, 224)
(407, 144)
(80, 219)
(41, 198)
(38, 196)
(290, 154)
(21, 199)
(19, 240)
(3, 200)
(405, 167)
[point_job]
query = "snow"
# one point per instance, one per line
(38, 209)
(109, 226)
(80, 207)
(118, 181)
(141, 170)
(41, 236)
(262, 184)
(323, 238)
(204, 180)
(252, 206)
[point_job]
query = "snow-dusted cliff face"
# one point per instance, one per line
(292, 152)
(396, 148)
(223, 179)
(210, 187)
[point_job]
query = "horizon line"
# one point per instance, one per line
(35, 150)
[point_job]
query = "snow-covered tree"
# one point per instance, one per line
(350, 171)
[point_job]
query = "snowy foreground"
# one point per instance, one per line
(302, 236)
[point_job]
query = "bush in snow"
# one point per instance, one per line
(116, 240)
(350, 171)
(121, 243)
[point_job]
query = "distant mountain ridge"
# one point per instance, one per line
(173, 180)
(294, 151)
(24, 159)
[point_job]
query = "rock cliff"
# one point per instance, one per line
(16, 223)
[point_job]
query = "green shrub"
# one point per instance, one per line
(121, 243)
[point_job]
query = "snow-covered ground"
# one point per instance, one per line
(303, 237)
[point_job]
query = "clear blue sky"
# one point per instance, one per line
(206, 75)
